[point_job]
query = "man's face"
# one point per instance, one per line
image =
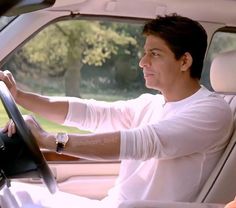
(160, 68)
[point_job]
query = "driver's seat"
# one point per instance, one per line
(221, 185)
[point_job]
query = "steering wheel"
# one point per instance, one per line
(27, 141)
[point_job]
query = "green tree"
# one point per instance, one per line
(64, 47)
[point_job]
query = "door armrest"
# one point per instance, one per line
(157, 204)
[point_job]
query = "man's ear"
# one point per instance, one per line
(186, 61)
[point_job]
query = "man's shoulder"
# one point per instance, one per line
(213, 105)
(210, 98)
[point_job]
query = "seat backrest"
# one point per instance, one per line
(221, 185)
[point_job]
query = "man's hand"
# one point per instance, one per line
(33, 125)
(7, 77)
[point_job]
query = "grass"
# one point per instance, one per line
(47, 125)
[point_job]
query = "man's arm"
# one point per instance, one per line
(104, 146)
(52, 108)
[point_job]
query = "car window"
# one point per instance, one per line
(81, 58)
(223, 40)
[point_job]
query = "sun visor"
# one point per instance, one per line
(26, 6)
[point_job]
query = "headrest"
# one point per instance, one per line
(223, 72)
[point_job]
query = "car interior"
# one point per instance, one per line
(219, 189)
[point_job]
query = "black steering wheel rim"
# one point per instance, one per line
(28, 138)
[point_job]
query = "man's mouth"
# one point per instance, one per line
(147, 75)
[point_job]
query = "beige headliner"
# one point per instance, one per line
(218, 11)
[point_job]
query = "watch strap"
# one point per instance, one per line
(60, 147)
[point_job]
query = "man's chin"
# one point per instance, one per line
(152, 87)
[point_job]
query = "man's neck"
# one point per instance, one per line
(180, 92)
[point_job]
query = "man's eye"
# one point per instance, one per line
(155, 53)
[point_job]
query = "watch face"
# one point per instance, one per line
(62, 138)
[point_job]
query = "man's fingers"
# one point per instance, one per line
(7, 78)
(10, 128)
(10, 78)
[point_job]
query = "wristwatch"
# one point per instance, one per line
(61, 140)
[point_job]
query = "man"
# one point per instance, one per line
(168, 143)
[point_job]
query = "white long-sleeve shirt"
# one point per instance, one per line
(167, 149)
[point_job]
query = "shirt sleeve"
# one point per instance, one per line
(99, 116)
(206, 125)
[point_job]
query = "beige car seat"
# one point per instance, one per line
(221, 186)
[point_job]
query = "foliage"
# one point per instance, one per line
(91, 42)
(222, 41)
(69, 55)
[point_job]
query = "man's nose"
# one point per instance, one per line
(144, 61)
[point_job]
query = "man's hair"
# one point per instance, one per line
(182, 35)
